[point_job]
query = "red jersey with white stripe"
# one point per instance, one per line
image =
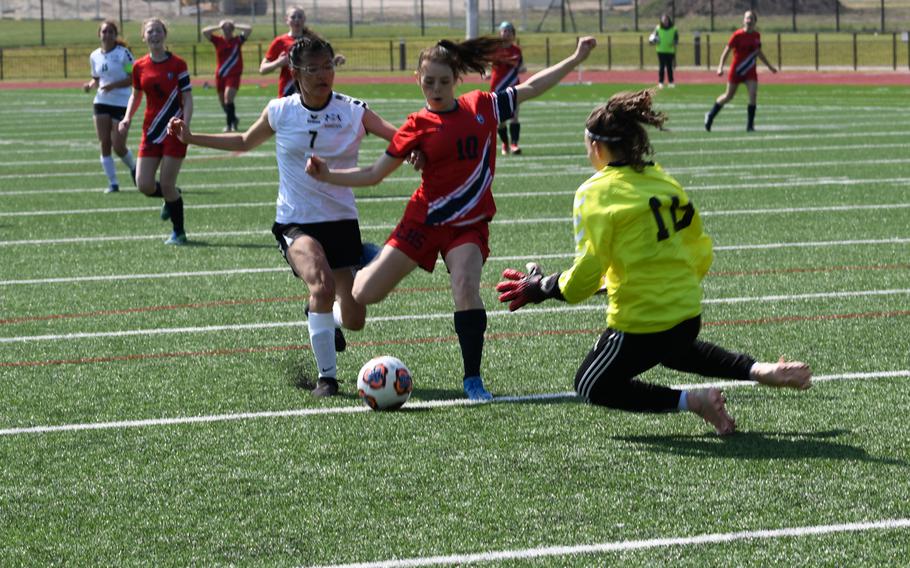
(163, 83)
(228, 55)
(506, 64)
(460, 149)
(746, 47)
(279, 45)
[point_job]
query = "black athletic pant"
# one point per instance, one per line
(607, 375)
(666, 62)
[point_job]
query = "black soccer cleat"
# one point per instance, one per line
(340, 342)
(325, 387)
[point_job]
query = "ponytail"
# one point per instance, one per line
(619, 125)
(472, 55)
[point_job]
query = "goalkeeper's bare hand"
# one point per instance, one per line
(521, 288)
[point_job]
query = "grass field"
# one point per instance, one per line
(154, 407)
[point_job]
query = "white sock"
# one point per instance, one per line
(336, 314)
(128, 160)
(322, 341)
(107, 162)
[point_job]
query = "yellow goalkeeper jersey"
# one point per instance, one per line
(638, 233)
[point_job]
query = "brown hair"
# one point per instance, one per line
(463, 57)
(112, 24)
(618, 124)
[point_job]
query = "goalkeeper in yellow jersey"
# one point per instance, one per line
(637, 231)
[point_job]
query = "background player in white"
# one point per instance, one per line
(316, 224)
(111, 67)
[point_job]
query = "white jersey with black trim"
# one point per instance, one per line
(110, 67)
(333, 133)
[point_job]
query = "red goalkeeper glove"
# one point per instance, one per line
(520, 288)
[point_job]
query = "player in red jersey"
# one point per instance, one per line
(164, 79)
(276, 57)
(504, 74)
(450, 212)
(229, 54)
(746, 46)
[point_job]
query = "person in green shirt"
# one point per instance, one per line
(640, 238)
(665, 38)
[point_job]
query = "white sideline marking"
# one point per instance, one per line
(566, 168)
(748, 150)
(512, 258)
(491, 313)
(301, 412)
(624, 545)
(567, 219)
(579, 169)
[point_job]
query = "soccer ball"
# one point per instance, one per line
(384, 383)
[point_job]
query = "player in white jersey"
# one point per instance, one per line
(316, 224)
(111, 66)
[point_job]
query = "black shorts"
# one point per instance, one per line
(339, 239)
(115, 112)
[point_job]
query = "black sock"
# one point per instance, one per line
(514, 132)
(503, 133)
(176, 210)
(157, 191)
(751, 111)
(231, 114)
(470, 326)
(714, 110)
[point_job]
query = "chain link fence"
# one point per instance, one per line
(403, 18)
(386, 35)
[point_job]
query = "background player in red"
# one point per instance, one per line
(746, 46)
(164, 79)
(277, 55)
(450, 212)
(507, 64)
(229, 54)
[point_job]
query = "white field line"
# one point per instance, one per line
(451, 403)
(729, 212)
(51, 103)
(509, 258)
(442, 315)
(743, 175)
(35, 146)
(702, 152)
(565, 170)
(626, 545)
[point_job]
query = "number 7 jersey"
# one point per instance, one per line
(333, 133)
(460, 149)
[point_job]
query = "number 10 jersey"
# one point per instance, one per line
(460, 149)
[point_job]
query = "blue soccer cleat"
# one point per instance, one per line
(475, 391)
(113, 188)
(178, 239)
(370, 252)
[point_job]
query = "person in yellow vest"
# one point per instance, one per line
(640, 237)
(665, 38)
